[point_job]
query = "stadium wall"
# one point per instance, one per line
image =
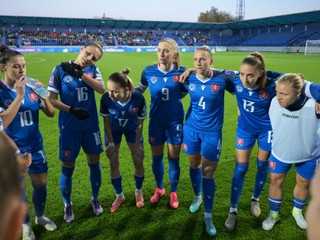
(67, 49)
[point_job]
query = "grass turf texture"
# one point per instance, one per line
(159, 221)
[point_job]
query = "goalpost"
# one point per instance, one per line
(312, 47)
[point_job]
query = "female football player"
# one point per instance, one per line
(295, 141)
(75, 82)
(166, 115)
(203, 129)
(123, 110)
(254, 89)
(19, 107)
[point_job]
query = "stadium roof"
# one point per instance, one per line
(305, 17)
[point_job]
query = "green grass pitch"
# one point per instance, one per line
(160, 222)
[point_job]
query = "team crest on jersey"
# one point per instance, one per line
(67, 79)
(272, 164)
(66, 154)
(152, 139)
(7, 102)
(134, 110)
(185, 147)
(263, 94)
(239, 88)
(215, 87)
(176, 78)
(33, 96)
(240, 141)
(192, 87)
(154, 80)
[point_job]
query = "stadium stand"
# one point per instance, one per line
(285, 31)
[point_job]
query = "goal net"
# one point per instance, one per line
(312, 47)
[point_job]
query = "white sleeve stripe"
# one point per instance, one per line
(307, 89)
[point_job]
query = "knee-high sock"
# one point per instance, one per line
(261, 177)
(298, 203)
(66, 183)
(139, 181)
(237, 183)
(117, 184)
(196, 180)
(274, 204)
(158, 170)
(95, 178)
(174, 173)
(39, 198)
(209, 188)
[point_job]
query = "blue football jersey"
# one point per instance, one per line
(206, 110)
(76, 93)
(24, 128)
(165, 92)
(124, 116)
(312, 90)
(254, 104)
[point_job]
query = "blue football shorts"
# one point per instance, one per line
(129, 135)
(206, 144)
(158, 135)
(246, 139)
(304, 169)
(72, 141)
(39, 162)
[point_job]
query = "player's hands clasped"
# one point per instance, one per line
(72, 68)
(79, 112)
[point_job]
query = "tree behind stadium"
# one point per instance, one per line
(214, 15)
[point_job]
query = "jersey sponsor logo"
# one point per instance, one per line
(263, 94)
(152, 139)
(192, 86)
(66, 154)
(154, 80)
(134, 110)
(176, 78)
(240, 141)
(290, 116)
(67, 79)
(272, 164)
(215, 87)
(185, 147)
(239, 88)
(33, 96)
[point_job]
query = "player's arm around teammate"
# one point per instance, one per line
(295, 128)
(123, 110)
(75, 82)
(202, 131)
